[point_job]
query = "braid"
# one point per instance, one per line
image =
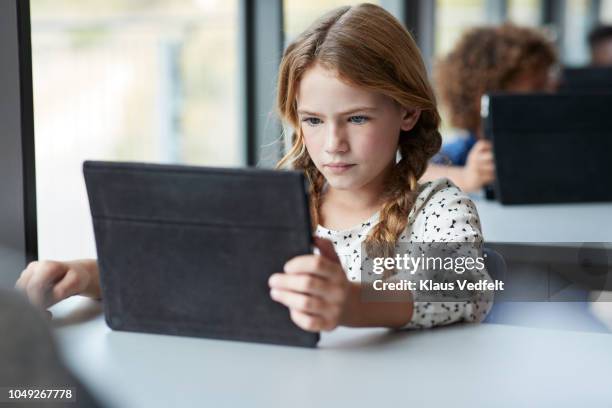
(316, 182)
(402, 186)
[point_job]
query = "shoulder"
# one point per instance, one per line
(438, 193)
(455, 152)
(443, 212)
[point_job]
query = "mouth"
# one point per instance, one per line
(339, 167)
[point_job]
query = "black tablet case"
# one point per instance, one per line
(188, 250)
(551, 148)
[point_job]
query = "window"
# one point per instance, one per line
(146, 80)
(453, 17)
(606, 12)
(299, 15)
(576, 26)
(525, 12)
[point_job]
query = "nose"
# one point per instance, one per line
(336, 140)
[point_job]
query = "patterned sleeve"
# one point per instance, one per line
(449, 216)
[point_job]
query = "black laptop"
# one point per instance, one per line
(188, 250)
(550, 148)
(587, 79)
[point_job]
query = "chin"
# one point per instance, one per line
(342, 183)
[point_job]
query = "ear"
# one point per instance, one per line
(409, 118)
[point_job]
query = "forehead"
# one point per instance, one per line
(322, 89)
(534, 79)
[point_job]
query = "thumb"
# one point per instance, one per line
(327, 249)
(485, 145)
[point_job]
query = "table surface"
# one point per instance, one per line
(551, 223)
(455, 366)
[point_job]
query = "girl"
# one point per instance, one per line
(354, 88)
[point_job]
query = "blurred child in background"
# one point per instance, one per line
(505, 58)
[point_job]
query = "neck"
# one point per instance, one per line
(356, 200)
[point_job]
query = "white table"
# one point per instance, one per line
(562, 223)
(458, 366)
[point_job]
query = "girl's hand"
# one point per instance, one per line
(479, 168)
(47, 282)
(314, 288)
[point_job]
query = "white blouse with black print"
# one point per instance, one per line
(438, 206)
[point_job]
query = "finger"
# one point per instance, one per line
(307, 322)
(39, 285)
(477, 149)
(487, 177)
(37, 292)
(326, 247)
(24, 278)
(303, 283)
(483, 145)
(311, 305)
(488, 180)
(485, 158)
(487, 169)
(26, 275)
(304, 303)
(70, 285)
(307, 284)
(313, 264)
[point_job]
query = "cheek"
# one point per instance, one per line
(380, 142)
(314, 144)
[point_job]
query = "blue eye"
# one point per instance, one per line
(312, 121)
(359, 119)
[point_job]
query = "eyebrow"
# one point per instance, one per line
(353, 110)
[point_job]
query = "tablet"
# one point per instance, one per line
(187, 250)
